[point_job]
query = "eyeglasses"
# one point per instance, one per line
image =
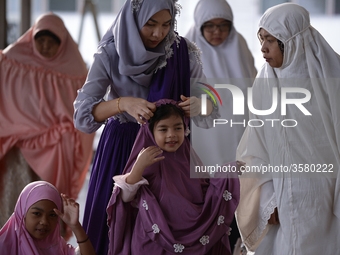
(210, 27)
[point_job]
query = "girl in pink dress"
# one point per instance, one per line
(34, 226)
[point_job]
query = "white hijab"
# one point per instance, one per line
(310, 63)
(230, 59)
(231, 62)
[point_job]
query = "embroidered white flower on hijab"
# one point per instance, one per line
(204, 240)
(227, 195)
(179, 247)
(145, 204)
(220, 220)
(155, 228)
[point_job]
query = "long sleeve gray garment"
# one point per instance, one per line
(104, 77)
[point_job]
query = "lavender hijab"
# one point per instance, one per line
(174, 213)
(14, 238)
(135, 60)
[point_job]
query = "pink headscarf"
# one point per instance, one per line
(14, 238)
(36, 107)
(67, 60)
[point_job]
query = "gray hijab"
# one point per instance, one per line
(135, 60)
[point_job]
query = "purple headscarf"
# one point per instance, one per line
(174, 212)
(14, 238)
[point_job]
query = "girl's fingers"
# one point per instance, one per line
(155, 150)
(58, 212)
(158, 159)
(67, 200)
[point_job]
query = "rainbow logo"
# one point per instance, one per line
(209, 93)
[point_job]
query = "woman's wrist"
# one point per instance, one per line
(118, 108)
(122, 101)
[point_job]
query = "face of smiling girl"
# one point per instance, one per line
(270, 49)
(41, 220)
(156, 28)
(169, 133)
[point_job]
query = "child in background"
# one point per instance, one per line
(156, 208)
(34, 226)
(40, 74)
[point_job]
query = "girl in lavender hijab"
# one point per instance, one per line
(139, 61)
(156, 208)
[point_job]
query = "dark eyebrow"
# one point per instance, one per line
(266, 36)
(160, 126)
(177, 124)
(157, 21)
(37, 208)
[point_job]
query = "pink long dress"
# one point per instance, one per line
(36, 112)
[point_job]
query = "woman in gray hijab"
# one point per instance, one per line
(140, 60)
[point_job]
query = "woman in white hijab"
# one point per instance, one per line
(227, 60)
(294, 207)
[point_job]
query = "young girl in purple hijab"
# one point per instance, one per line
(156, 208)
(140, 60)
(34, 226)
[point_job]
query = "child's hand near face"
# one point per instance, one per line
(71, 211)
(145, 158)
(148, 156)
(71, 218)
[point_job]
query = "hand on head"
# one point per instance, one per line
(138, 108)
(191, 106)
